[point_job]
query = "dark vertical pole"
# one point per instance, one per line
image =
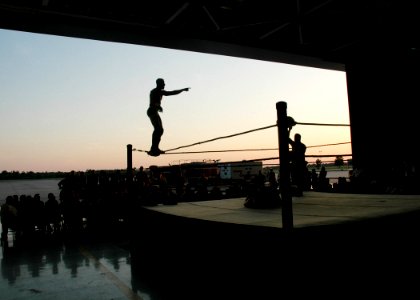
(285, 186)
(129, 162)
(130, 188)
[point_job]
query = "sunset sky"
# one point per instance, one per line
(74, 104)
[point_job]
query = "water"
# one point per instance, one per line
(29, 187)
(333, 175)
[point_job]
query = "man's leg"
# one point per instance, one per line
(157, 133)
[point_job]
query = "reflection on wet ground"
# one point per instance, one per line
(67, 269)
(160, 256)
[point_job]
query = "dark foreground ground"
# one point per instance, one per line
(198, 259)
(159, 255)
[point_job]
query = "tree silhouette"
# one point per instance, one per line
(339, 161)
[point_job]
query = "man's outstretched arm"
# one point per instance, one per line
(175, 92)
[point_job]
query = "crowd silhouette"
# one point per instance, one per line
(103, 201)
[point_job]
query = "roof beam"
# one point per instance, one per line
(177, 13)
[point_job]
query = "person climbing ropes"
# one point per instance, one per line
(155, 107)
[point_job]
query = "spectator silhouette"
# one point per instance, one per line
(272, 179)
(8, 217)
(260, 179)
(298, 164)
(143, 183)
(323, 181)
(153, 112)
(52, 213)
(314, 179)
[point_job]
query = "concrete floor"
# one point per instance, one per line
(344, 245)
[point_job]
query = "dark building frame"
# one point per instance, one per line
(375, 42)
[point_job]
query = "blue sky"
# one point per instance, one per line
(74, 104)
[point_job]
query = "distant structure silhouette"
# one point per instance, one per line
(155, 107)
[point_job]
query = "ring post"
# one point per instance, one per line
(129, 162)
(285, 185)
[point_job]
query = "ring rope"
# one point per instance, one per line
(219, 151)
(221, 137)
(244, 162)
(314, 146)
(320, 155)
(139, 150)
(328, 155)
(241, 150)
(321, 124)
(248, 131)
(276, 158)
(293, 122)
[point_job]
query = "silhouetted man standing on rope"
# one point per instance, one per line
(153, 112)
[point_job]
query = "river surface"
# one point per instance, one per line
(29, 187)
(339, 173)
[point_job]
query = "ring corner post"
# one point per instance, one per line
(285, 185)
(129, 162)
